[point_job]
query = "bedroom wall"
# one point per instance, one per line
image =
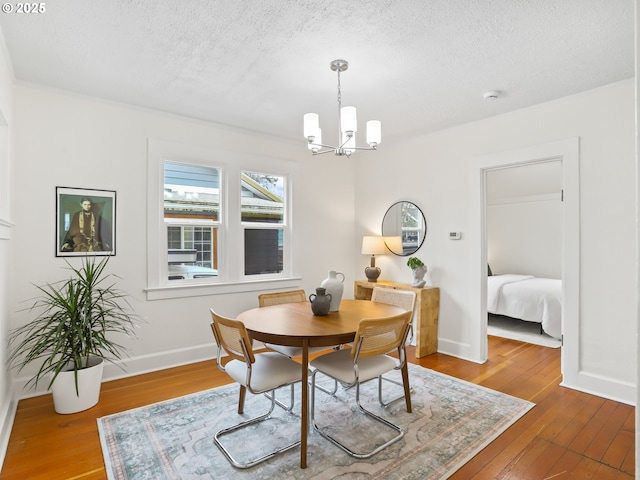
(67, 140)
(526, 238)
(524, 220)
(434, 172)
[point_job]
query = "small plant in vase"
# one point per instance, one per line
(419, 270)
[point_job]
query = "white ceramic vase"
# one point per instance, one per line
(334, 286)
(65, 398)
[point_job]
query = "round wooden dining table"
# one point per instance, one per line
(294, 324)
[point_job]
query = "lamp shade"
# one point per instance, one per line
(311, 124)
(317, 140)
(348, 119)
(374, 132)
(373, 246)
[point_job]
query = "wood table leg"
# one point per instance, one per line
(407, 387)
(304, 416)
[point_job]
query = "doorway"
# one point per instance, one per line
(524, 252)
(566, 152)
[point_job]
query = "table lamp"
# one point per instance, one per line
(373, 246)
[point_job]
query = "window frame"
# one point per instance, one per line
(245, 225)
(231, 277)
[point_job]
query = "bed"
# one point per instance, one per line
(528, 298)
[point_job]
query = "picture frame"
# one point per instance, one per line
(85, 222)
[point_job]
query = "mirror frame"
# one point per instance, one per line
(421, 236)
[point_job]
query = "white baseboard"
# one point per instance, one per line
(456, 349)
(129, 367)
(604, 387)
(592, 384)
(159, 361)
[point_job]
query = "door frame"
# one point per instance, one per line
(567, 151)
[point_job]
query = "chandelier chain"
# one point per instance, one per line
(339, 90)
(339, 109)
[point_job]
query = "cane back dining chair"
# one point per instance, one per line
(277, 298)
(405, 299)
(366, 360)
(255, 372)
(290, 296)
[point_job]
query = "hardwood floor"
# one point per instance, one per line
(567, 434)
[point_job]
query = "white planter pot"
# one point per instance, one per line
(418, 276)
(65, 398)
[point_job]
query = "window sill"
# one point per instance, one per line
(196, 290)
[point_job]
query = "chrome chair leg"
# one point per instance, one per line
(346, 449)
(324, 389)
(238, 426)
(284, 406)
(389, 402)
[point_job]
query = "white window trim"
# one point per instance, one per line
(231, 280)
(263, 226)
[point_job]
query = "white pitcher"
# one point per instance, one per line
(335, 287)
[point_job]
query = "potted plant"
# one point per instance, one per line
(419, 270)
(71, 335)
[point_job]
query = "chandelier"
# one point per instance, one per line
(347, 126)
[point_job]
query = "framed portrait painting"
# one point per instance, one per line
(85, 222)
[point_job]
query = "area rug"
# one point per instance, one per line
(520, 330)
(452, 420)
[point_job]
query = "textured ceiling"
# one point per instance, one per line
(416, 65)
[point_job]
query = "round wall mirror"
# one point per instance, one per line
(404, 228)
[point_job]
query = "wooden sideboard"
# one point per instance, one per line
(427, 309)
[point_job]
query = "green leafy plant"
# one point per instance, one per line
(414, 262)
(76, 320)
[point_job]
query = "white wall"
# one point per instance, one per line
(525, 238)
(433, 171)
(637, 230)
(72, 141)
(7, 407)
(524, 219)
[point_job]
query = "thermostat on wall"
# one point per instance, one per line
(455, 235)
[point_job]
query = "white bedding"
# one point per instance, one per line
(527, 298)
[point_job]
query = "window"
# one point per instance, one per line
(411, 226)
(192, 216)
(263, 217)
(218, 221)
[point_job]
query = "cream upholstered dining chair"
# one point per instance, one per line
(366, 360)
(290, 296)
(256, 372)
